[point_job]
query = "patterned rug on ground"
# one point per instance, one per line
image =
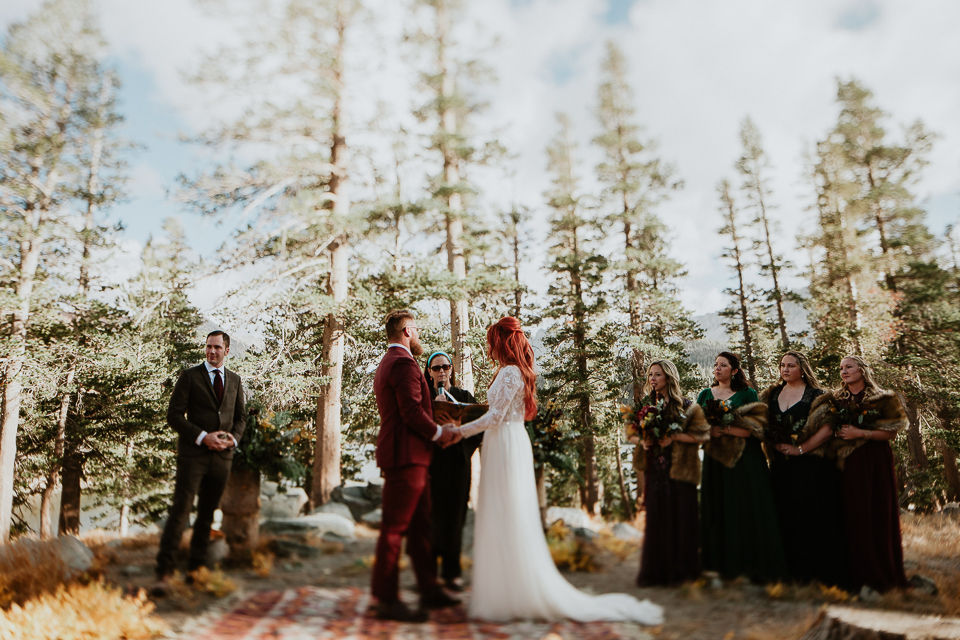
(311, 613)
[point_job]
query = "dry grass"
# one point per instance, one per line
(29, 569)
(932, 541)
(91, 612)
(262, 563)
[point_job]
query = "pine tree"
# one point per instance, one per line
(50, 63)
(753, 167)
(635, 181)
(577, 304)
(299, 189)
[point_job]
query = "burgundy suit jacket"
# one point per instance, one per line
(407, 428)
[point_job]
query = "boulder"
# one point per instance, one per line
(373, 518)
(923, 584)
(355, 498)
(286, 504)
(585, 534)
(952, 510)
(573, 518)
(869, 595)
(623, 531)
(268, 488)
(374, 491)
(335, 507)
(316, 524)
(76, 555)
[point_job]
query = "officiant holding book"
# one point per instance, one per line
(450, 473)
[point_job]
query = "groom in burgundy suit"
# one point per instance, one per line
(405, 444)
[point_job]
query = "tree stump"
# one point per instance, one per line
(844, 623)
(240, 506)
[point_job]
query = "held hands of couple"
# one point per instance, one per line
(450, 435)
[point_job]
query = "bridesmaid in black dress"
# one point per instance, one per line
(671, 472)
(806, 483)
(450, 473)
(868, 480)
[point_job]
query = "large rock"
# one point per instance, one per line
(287, 548)
(75, 554)
(373, 518)
(335, 507)
(316, 524)
(355, 498)
(623, 531)
(286, 504)
(374, 491)
(573, 518)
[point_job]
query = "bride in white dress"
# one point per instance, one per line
(514, 576)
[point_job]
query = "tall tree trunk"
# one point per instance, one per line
(624, 494)
(53, 476)
(459, 309)
(592, 492)
(125, 507)
(774, 274)
(12, 386)
(540, 476)
(637, 358)
(71, 494)
(326, 459)
(83, 287)
(240, 506)
(741, 290)
(914, 437)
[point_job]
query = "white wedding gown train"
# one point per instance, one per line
(514, 576)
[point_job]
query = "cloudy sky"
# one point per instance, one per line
(698, 68)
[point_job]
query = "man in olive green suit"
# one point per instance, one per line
(207, 410)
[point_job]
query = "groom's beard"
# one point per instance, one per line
(416, 348)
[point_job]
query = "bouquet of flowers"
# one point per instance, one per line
(650, 422)
(851, 412)
(719, 413)
(784, 429)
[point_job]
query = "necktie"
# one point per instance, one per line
(218, 384)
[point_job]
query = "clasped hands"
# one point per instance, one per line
(665, 441)
(218, 441)
(449, 435)
(850, 432)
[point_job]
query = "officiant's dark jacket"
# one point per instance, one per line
(194, 409)
(450, 474)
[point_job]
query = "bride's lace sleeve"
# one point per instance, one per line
(501, 395)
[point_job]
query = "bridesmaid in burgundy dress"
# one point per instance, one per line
(868, 481)
(671, 472)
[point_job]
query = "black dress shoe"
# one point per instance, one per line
(400, 612)
(455, 585)
(437, 598)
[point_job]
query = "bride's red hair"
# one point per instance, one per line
(508, 345)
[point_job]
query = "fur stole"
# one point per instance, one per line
(727, 449)
(815, 420)
(685, 456)
(892, 417)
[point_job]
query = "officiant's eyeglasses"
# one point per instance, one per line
(440, 367)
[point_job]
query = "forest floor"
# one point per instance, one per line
(693, 611)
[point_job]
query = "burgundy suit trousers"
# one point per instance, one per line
(406, 512)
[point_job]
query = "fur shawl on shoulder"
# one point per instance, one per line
(685, 460)
(892, 417)
(813, 424)
(728, 449)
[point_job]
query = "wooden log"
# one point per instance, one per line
(846, 623)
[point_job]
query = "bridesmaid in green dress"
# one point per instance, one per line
(739, 534)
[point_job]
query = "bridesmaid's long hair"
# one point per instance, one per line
(868, 381)
(673, 395)
(808, 375)
(739, 380)
(509, 345)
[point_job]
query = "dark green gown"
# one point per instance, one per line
(739, 533)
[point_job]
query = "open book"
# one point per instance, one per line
(457, 413)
